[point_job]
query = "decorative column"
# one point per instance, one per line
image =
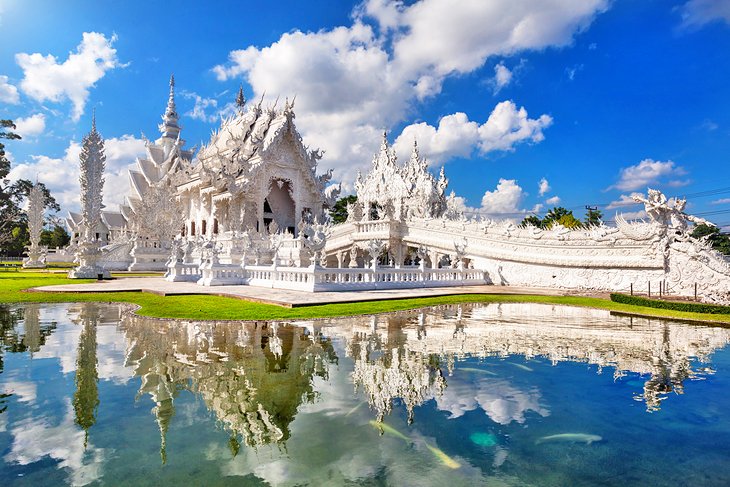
(36, 204)
(92, 161)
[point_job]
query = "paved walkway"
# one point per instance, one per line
(284, 297)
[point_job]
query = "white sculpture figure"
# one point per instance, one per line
(314, 238)
(460, 251)
(659, 209)
(92, 162)
(36, 205)
(374, 248)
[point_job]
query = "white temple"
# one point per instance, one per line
(250, 208)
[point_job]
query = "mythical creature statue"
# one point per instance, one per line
(668, 213)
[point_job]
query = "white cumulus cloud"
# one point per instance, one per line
(624, 200)
(502, 77)
(201, 106)
(8, 93)
(554, 200)
(505, 201)
(649, 172)
(351, 81)
(45, 78)
(31, 126)
(457, 136)
(543, 187)
(696, 13)
(508, 126)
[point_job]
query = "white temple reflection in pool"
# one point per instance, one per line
(463, 392)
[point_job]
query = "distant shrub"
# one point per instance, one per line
(673, 305)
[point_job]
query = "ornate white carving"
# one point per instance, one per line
(400, 192)
(36, 205)
(92, 163)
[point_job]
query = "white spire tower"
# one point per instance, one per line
(92, 163)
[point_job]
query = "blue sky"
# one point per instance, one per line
(527, 104)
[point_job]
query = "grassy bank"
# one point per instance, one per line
(206, 307)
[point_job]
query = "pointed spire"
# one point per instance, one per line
(93, 119)
(169, 127)
(240, 99)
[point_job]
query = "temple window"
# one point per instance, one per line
(215, 225)
(192, 228)
(203, 227)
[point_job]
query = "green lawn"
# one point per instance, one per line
(208, 307)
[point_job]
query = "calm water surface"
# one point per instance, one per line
(508, 394)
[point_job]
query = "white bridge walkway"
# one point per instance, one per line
(285, 297)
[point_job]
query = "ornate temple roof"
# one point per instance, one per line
(164, 156)
(407, 189)
(246, 140)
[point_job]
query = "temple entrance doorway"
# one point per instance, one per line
(279, 206)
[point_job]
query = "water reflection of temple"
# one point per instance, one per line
(252, 376)
(397, 356)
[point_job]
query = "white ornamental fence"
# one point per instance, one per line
(324, 279)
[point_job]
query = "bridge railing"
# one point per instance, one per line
(324, 279)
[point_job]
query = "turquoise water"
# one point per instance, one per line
(509, 394)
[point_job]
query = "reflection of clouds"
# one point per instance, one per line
(500, 400)
(110, 354)
(23, 391)
(35, 438)
(63, 343)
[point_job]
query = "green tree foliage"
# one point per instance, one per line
(569, 221)
(55, 238)
(533, 220)
(13, 223)
(558, 215)
(719, 241)
(593, 217)
(9, 209)
(339, 210)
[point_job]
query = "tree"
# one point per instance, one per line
(9, 209)
(569, 221)
(13, 223)
(339, 210)
(719, 241)
(533, 220)
(593, 216)
(58, 237)
(561, 216)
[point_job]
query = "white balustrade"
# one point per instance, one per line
(324, 279)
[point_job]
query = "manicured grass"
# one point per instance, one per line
(206, 307)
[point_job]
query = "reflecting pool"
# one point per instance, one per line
(498, 394)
